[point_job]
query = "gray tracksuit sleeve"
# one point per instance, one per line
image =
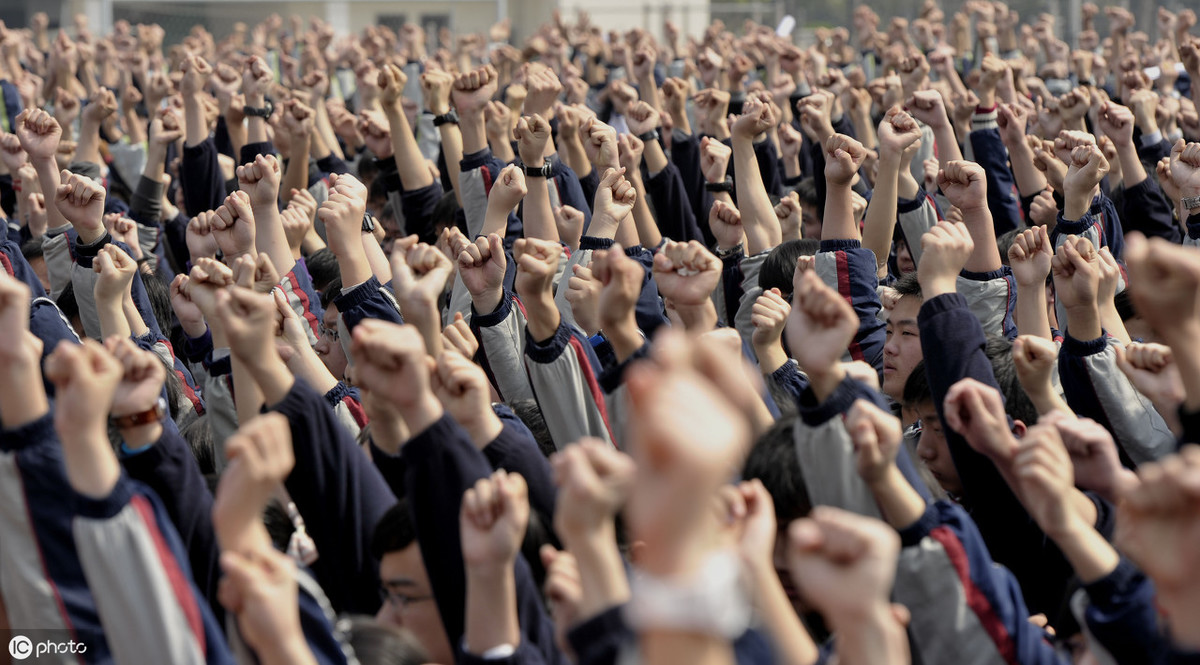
(1095, 387)
(915, 217)
(751, 267)
(568, 392)
(502, 348)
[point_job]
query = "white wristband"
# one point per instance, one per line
(713, 602)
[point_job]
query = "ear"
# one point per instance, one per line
(1019, 428)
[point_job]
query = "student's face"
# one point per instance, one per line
(902, 351)
(810, 222)
(904, 259)
(932, 450)
(39, 268)
(410, 602)
(329, 347)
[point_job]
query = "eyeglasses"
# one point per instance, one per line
(400, 601)
(914, 430)
(331, 333)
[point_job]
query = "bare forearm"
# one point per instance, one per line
(839, 214)
(791, 638)
(758, 216)
(647, 230)
(881, 212)
(195, 128)
(1032, 317)
(538, 218)
(986, 255)
(491, 609)
(409, 161)
(452, 148)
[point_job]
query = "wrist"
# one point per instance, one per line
(486, 302)
(419, 414)
(484, 429)
(939, 285)
(142, 435)
(1075, 206)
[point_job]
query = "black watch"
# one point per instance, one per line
(542, 171)
(450, 118)
(264, 111)
(649, 136)
(368, 222)
(725, 185)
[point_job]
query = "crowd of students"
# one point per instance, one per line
(594, 348)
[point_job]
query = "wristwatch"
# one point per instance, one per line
(368, 222)
(450, 118)
(649, 136)
(1190, 202)
(155, 414)
(264, 111)
(542, 171)
(725, 185)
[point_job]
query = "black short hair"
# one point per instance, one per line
(199, 437)
(999, 351)
(322, 267)
(1017, 404)
(375, 643)
(395, 531)
(773, 461)
(66, 302)
(1005, 241)
(806, 189)
(531, 414)
(908, 285)
(444, 215)
(916, 388)
(1124, 304)
(158, 292)
(32, 249)
(779, 267)
(331, 291)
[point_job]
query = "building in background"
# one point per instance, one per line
(692, 16)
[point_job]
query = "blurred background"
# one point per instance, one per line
(692, 16)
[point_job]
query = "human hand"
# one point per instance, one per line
(232, 226)
(714, 159)
(473, 89)
(248, 319)
(532, 134)
(196, 72)
(1035, 359)
(342, 213)
(928, 107)
(39, 133)
(843, 157)
(964, 184)
(756, 118)
(614, 201)
(260, 180)
(1045, 479)
(201, 242)
(876, 437)
(81, 202)
(259, 587)
(537, 264)
(482, 265)
(1030, 255)
(255, 273)
(843, 563)
(116, 270)
(726, 224)
(494, 515)
(419, 276)
(686, 273)
(1152, 370)
(142, 380)
(821, 324)
(976, 411)
(594, 481)
(945, 249)
(1116, 121)
(1076, 273)
(897, 132)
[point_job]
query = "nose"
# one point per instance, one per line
(322, 346)
(387, 616)
(926, 451)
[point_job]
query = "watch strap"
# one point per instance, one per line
(651, 135)
(450, 118)
(1190, 202)
(263, 111)
(542, 171)
(155, 414)
(725, 185)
